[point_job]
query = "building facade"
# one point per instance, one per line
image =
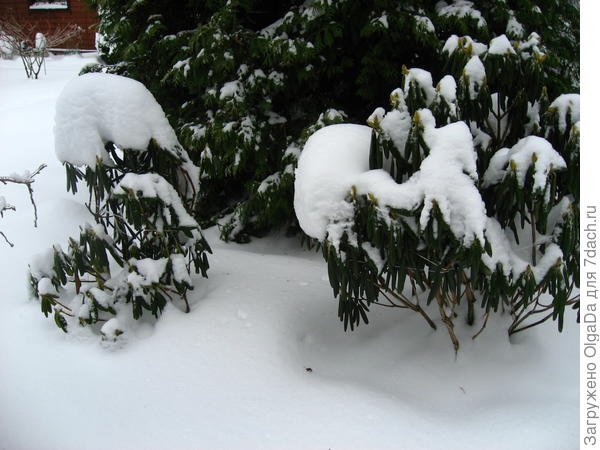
(48, 15)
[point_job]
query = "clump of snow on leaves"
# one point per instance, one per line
(474, 74)
(566, 104)
(500, 46)
(328, 165)
(460, 9)
(97, 108)
(530, 151)
(335, 159)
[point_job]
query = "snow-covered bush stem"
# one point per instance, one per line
(111, 134)
(463, 194)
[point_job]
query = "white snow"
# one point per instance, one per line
(45, 286)
(506, 253)
(496, 170)
(474, 72)
(268, 181)
(446, 177)
(206, 380)
(335, 159)
(152, 185)
(526, 48)
(446, 88)
(454, 42)
(328, 163)
(556, 214)
(497, 121)
(533, 116)
(422, 79)
(185, 63)
(425, 22)
(49, 5)
(500, 46)
(40, 41)
(514, 28)
(539, 152)
(111, 328)
(180, 272)
(566, 104)
(4, 204)
(151, 270)
(96, 108)
(480, 138)
(503, 252)
(460, 8)
(451, 44)
(396, 125)
(231, 89)
(529, 151)
(382, 21)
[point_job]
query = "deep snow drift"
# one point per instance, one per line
(234, 372)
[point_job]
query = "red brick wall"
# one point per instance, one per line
(78, 13)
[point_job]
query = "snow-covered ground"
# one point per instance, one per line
(233, 374)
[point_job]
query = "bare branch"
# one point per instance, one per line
(6, 239)
(25, 40)
(26, 179)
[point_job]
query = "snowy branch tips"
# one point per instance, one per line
(405, 217)
(111, 133)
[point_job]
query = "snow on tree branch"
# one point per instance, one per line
(27, 179)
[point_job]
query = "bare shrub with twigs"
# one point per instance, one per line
(27, 179)
(25, 40)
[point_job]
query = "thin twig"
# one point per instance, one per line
(485, 319)
(27, 181)
(447, 321)
(6, 239)
(405, 301)
(512, 330)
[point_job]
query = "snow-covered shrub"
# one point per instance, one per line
(241, 80)
(111, 133)
(464, 194)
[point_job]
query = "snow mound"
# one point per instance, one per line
(328, 165)
(97, 108)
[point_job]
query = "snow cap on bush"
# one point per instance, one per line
(97, 108)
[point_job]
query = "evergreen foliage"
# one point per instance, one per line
(141, 250)
(246, 83)
(241, 80)
(527, 153)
